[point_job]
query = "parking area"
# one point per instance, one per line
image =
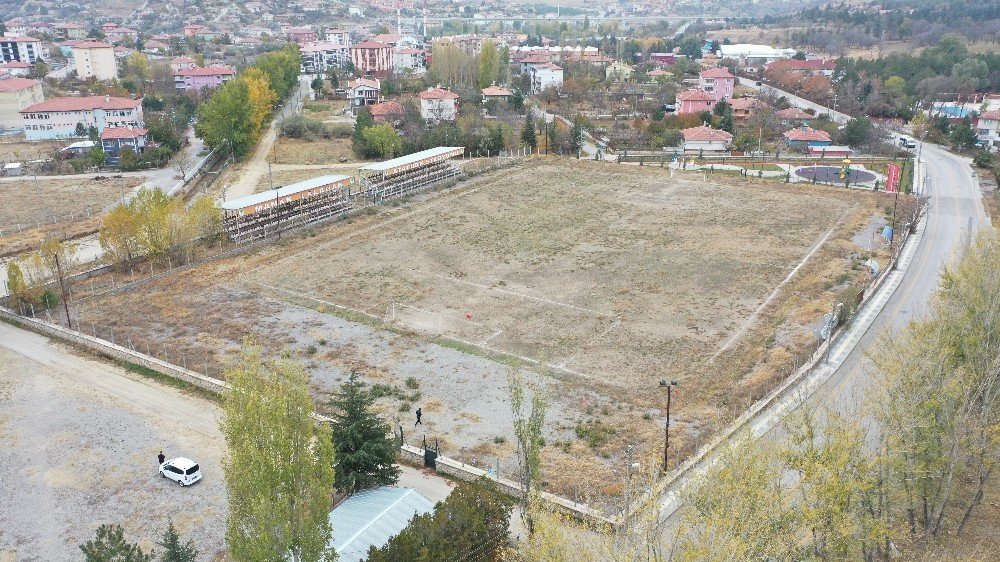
(78, 446)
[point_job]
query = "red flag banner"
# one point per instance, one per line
(892, 183)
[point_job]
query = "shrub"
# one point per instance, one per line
(983, 159)
(411, 382)
(595, 432)
(299, 127)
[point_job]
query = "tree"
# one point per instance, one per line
(962, 136)
(334, 79)
(365, 454)
(173, 549)
(97, 157)
(726, 122)
(128, 161)
(260, 96)
(858, 132)
(227, 118)
(17, 287)
(363, 121)
(317, 86)
(471, 523)
(576, 136)
(383, 139)
(279, 465)
(721, 107)
(109, 545)
(690, 47)
(528, 137)
(528, 424)
(489, 63)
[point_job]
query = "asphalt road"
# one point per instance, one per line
(955, 213)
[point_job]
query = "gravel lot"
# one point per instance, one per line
(78, 445)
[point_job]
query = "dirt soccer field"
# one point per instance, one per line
(611, 276)
(623, 278)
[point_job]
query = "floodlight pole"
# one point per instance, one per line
(666, 426)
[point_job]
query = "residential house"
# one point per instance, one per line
(663, 59)
(988, 128)
(17, 93)
(387, 112)
(398, 40)
(496, 93)
(182, 63)
(16, 27)
(544, 76)
(658, 74)
(694, 101)
(58, 117)
(372, 58)
(201, 77)
(808, 67)
(117, 34)
(618, 72)
(532, 60)
(438, 104)
(793, 116)
(706, 139)
(409, 59)
(21, 49)
(95, 59)
(745, 108)
(340, 36)
(122, 51)
(362, 92)
(301, 35)
(192, 30)
(717, 82)
(321, 56)
(65, 31)
(806, 136)
(16, 68)
(155, 47)
(114, 139)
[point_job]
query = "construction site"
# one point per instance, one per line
(596, 280)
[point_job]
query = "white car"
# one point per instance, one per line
(181, 470)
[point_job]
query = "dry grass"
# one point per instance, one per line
(319, 151)
(20, 151)
(325, 110)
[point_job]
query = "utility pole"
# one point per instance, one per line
(62, 287)
(666, 427)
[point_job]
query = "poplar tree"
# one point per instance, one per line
(279, 468)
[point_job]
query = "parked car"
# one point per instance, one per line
(906, 142)
(182, 470)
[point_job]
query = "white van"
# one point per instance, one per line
(181, 470)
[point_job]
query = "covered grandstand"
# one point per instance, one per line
(276, 210)
(408, 174)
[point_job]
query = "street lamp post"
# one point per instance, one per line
(669, 385)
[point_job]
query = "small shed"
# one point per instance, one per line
(12, 169)
(373, 517)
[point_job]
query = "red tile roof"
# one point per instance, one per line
(438, 93)
(85, 103)
(387, 38)
(207, 71)
(92, 45)
(363, 82)
(15, 64)
(716, 72)
(16, 84)
(704, 133)
(694, 95)
(496, 91)
(992, 115)
(122, 133)
(805, 134)
(747, 103)
(386, 108)
(371, 45)
(16, 39)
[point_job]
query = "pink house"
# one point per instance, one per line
(718, 82)
(198, 78)
(694, 101)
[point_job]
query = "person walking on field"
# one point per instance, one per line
(160, 458)
(419, 413)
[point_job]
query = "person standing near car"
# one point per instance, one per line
(160, 458)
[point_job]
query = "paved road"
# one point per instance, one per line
(796, 100)
(256, 168)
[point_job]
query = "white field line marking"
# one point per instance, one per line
(321, 301)
(525, 358)
(753, 317)
(513, 293)
(498, 332)
(590, 342)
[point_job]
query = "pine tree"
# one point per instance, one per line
(365, 454)
(173, 550)
(528, 132)
(109, 545)
(576, 137)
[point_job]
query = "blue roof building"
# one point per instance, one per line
(372, 517)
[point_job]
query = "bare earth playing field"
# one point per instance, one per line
(614, 276)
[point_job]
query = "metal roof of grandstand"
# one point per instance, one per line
(410, 158)
(372, 517)
(282, 191)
